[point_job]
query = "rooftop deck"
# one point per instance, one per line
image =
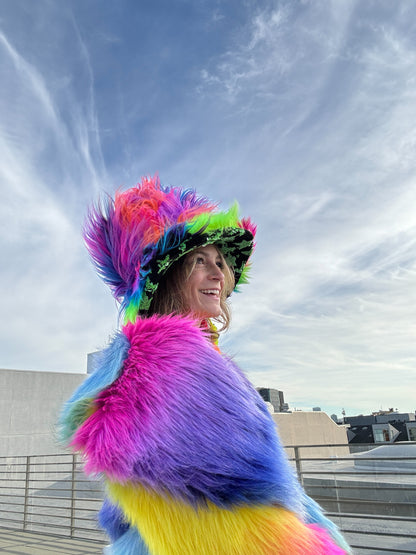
(48, 506)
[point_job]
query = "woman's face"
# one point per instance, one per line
(204, 286)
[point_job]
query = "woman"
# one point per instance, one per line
(188, 450)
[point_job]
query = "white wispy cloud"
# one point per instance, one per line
(237, 67)
(335, 268)
(41, 157)
(304, 114)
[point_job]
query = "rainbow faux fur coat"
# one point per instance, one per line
(188, 452)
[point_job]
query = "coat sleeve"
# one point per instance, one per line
(183, 420)
(82, 403)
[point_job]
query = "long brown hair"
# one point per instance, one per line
(169, 297)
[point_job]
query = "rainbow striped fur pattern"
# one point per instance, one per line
(173, 527)
(135, 238)
(188, 451)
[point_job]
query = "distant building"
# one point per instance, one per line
(275, 397)
(381, 427)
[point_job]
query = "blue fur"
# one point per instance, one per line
(170, 239)
(111, 519)
(130, 543)
(108, 369)
(255, 468)
(98, 233)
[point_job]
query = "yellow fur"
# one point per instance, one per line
(171, 527)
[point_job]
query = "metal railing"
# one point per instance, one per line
(49, 494)
(372, 499)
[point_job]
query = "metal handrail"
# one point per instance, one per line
(40, 492)
(383, 549)
(347, 445)
(349, 459)
(354, 472)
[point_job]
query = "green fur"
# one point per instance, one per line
(79, 413)
(210, 222)
(132, 309)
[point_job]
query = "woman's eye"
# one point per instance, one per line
(199, 260)
(220, 265)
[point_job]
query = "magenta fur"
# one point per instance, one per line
(168, 419)
(327, 543)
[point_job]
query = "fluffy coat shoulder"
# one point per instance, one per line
(184, 420)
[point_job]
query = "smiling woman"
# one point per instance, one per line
(199, 284)
(188, 450)
(205, 284)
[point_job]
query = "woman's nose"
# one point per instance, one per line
(216, 272)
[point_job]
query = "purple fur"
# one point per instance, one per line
(122, 234)
(184, 420)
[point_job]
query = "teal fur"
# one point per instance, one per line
(314, 515)
(130, 543)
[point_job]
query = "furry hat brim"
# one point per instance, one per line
(236, 245)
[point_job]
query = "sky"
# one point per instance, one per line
(304, 111)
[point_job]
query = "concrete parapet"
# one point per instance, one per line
(29, 406)
(315, 431)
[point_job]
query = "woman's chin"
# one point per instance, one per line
(206, 312)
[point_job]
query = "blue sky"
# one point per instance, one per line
(304, 111)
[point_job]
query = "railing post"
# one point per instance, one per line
(72, 529)
(298, 464)
(27, 483)
(337, 493)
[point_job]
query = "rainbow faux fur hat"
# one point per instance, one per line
(135, 238)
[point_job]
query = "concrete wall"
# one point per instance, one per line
(29, 405)
(312, 428)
